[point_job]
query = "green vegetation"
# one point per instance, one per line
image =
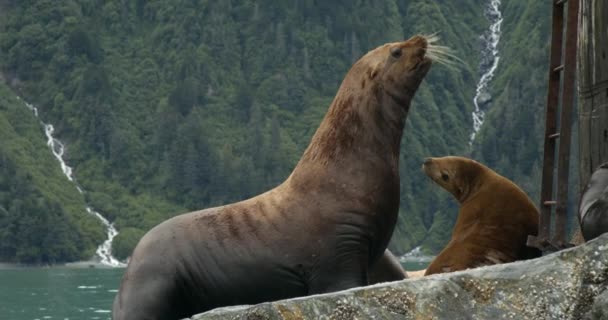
(174, 106)
(42, 216)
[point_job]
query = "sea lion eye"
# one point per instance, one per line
(445, 177)
(396, 52)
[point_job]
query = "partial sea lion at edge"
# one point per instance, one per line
(593, 208)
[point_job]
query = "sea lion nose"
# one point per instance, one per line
(419, 41)
(427, 161)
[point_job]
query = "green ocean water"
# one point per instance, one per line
(57, 293)
(67, 293)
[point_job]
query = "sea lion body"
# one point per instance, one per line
(250, 252)
(593, 209)
(494, 220)
(319, 231)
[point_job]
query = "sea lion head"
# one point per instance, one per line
(372, 103)
(457, 175)
(396, 69)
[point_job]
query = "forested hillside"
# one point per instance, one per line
(41, 215)
(170, 106)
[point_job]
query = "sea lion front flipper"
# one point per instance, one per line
(386, 268)
(341, 272)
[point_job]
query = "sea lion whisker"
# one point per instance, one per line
(445, 51)
(442, 60)
(440, 55)
(448, 65)
(431, 38)
(441, 49)
(447, 57)
(437, 53)
(436, 46)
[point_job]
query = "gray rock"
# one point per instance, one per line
(599, 310)
(570, 284)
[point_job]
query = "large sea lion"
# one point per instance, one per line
(494, 220)
(319, 231)
(593, 208)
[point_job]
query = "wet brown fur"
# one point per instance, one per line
(494, 220)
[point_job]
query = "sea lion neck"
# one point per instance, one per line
(362, 117)
(357, 143)
(363, 126)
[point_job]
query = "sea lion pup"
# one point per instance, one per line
(593, 208)
(387, 268)
(494, 220)
(318, 231)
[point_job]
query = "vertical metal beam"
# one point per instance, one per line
(551, 125)
(567, 100)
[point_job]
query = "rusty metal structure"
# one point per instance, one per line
(560, 99)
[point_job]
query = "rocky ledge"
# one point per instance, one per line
(569, 284)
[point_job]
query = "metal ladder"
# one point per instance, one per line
(562, 69)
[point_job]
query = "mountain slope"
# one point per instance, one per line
(42, 215)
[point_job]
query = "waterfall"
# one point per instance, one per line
(415, 255)
(104, 251)
(487, 66)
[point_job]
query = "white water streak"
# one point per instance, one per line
(490, 58)
(415, 255)
(104, 251)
